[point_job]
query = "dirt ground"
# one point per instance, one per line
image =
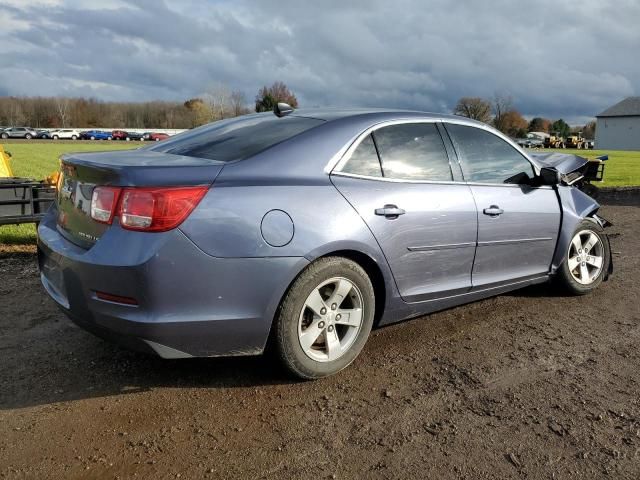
(527, 385)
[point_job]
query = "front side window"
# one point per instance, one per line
(413, 151)
(237, 138)
(364, 160)
(487, 158)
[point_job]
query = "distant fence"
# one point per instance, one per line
(168, 131)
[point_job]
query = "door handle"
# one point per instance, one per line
(493, 211)
(390, 211)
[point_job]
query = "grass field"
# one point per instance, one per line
(622, 169)
(39, 159)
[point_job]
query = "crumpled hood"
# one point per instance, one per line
(562, 162)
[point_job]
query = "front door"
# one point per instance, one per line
(518, 224)
(425, 223)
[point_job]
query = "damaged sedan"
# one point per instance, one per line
(300, 230)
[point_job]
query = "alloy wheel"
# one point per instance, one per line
(330, 319)
(586, 257)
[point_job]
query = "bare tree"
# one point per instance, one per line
(62, 107)
(218, 98)
(501, 105)
(474, 107)
(238, 103)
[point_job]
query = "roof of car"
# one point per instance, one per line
(380, 114)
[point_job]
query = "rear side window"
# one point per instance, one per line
(364, 160)
(237, 138)
(487, 158)
(413, 151)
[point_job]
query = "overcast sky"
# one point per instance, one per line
(568, 59)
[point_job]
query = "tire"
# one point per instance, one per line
(128, 139)
(55, 137)
(28, 136)
(109, 138)
(92, 137)
(295, 318)
(571, 276)
(4, 135)
(74, 137)
(157, 140)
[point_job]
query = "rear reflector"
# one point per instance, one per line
(108, 297)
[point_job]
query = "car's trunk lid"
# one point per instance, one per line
(81, 173)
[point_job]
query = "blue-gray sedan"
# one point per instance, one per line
(304, 229)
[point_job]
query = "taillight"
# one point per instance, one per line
(103, 203)
(146, 209)
(158, 209)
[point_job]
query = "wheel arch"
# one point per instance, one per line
(576, 206)
(368, 264)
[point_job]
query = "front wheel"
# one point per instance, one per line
(4, 135)
(55, 137)
(325, 318)
(587, 260)
(28, 136)
(74, 137)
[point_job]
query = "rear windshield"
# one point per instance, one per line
(237, 138)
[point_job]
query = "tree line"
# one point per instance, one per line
(217, 102)
(501, 113)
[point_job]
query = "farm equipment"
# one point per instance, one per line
(554, 141)
(576, 141)
(22, 200)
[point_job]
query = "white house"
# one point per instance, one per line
(618, 127)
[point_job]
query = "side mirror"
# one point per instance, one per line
(549, 176)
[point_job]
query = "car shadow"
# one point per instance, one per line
(74, 365)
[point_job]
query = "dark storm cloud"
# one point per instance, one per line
(568, 59)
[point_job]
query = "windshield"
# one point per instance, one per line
(237, 138)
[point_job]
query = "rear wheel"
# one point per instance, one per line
(74, 137)
(4, 135)
(325, 318)
(55, 137)
(587, 259)
(92, 137)
(28, 136)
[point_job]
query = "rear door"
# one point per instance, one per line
(400, 181)
(518, 224)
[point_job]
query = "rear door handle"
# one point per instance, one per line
(493, 211)
(390, 211)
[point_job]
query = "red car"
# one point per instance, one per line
(122, 135)
(156, 137)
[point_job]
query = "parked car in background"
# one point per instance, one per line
(156, 137)
(96, 135)
(135, 136)
(127, 136)
(43, 134)
(65, 134)
(329, 222)
(18, 132)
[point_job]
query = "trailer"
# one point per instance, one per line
(22, 200)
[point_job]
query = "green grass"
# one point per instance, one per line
(37, 160)
(621, 170)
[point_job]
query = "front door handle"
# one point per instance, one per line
(493, 211)
(390, 211)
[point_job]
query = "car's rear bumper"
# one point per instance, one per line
(188, 303)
